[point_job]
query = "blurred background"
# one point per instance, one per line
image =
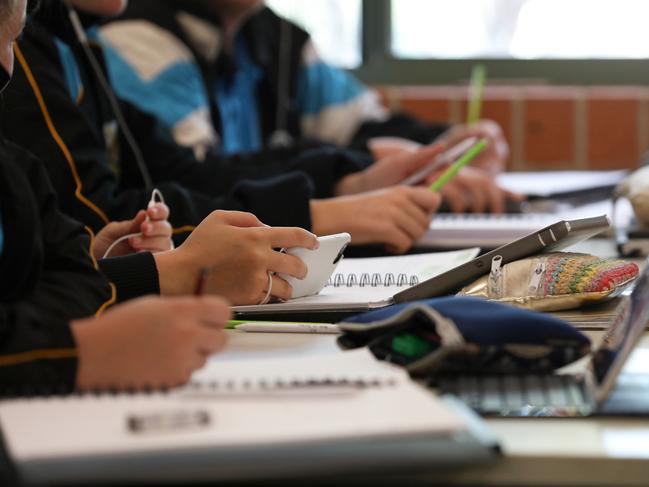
(567, 79)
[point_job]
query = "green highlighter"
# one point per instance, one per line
(478, 78)
(454, 168)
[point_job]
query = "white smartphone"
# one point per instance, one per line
(449, 156)
(321, 264)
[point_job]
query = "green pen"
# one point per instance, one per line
(454, 168)
(478, 78)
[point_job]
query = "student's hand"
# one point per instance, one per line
(381, 147)
(388, 171)
(240, 252)
(152, 341)
(474, 191)
(396, 217)
(494, 158)
(156, 233)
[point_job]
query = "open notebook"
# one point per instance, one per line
(254, 419)
(365, 283)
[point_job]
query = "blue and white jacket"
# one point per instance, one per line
(165, 56)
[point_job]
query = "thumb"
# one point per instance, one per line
(115, 230)
(135, 223)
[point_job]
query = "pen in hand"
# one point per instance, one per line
(454, 168)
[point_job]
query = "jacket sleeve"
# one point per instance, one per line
(134, 275)
(48, 280)
(75, 153)
(323, 165)
(173, 93)
(337, 107)
(397, 125)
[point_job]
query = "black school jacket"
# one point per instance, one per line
(96, 178)
(47, 279)
(262, 34)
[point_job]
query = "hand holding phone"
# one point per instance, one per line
(447, 157)
(321, 264)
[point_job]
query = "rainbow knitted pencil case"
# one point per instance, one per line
(554, 281)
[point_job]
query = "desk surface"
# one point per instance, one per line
(538, 451)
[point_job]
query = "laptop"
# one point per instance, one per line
(601, 390)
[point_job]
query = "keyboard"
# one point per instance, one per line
(520, 395)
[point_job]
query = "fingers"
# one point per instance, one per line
(237, 218)
(413, 220)
(156, 237)
(425, 199)
(406, 218)
(397, 241)
(114, 230)
(281, 289)
(477, 194)
(210, 341)
(286, 264)
(211, 311)
(157, 211)
(289, 237)
(423, 156)
(455, 198)
(481, 193)
(153, 244)
(160, 228)
(510, 195)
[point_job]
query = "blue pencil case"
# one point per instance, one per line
(465, 335)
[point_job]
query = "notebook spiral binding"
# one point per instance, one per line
(228, 386)
(267, 385)
(372, 280)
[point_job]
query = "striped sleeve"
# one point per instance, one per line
(333, 103)
(152, 69)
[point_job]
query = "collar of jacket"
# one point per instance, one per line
(53, 15)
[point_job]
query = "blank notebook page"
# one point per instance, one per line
(90, 426)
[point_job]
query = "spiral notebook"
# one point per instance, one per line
(218, 431)
(361, 285)
(365, 283)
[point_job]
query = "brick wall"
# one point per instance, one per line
(548, 127)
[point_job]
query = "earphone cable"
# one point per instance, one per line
(112, 99)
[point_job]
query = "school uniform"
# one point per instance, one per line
(47, 279)
(56, 108)
(166, 57)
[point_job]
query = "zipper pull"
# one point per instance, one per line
(495, 276)
(537, 276)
